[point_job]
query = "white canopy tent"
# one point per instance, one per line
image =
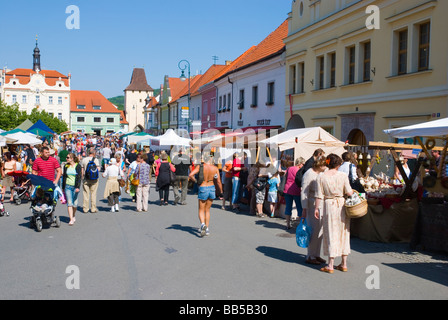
(305, 141)
(23, 138)
(436, 128)
(5, 140)
(168, 139)
(134, 139)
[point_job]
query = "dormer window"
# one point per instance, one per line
(96, 107)
(80, 106)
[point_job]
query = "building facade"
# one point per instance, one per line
(92, 113)
(47, 90)
(251, 93)
(356, 81)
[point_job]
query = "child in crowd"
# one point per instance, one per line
(273, 183)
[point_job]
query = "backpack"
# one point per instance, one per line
(298, 177)
(92, 172)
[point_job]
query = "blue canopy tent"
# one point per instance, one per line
(41, 126)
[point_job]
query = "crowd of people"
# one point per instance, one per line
(317, 186)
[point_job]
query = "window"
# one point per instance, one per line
(50, 100)
(293, 79)
(224, 103)
(271, 87)
(351, 65)
(366, 62)
(96, 107)
(59, 100)
(229, 100)
(241, 100)
(302, 76)
(97, 119)
(110, 120)
(321, 75)
(213, 105)
(423, 47)
(402, 52)
(220, 104)
(37, 99)
(60, 115)
(23, 99)
(80, 119)
(254, 96)
(332, 70)
(14, 98)
(80, 106)
(301, 9)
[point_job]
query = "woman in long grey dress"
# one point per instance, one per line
(333, 185)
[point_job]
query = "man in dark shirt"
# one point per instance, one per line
(131, 155)
(182, 164)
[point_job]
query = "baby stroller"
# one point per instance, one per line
(23, 188)
(43, 203)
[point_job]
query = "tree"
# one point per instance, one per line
(11, 117)
(52, 122)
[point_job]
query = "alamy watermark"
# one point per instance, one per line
(373, 20)
(73, 281)
(373, 280)
(73, 21)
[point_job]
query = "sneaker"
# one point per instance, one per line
(202, 229)
(112, 209)
(207, 232)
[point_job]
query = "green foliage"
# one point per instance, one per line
(11, 117)
(118, 101)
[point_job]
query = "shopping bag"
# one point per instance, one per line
(63, 198)
(303, 234)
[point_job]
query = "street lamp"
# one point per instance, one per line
(185, 65)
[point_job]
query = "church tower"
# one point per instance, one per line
(36, 58)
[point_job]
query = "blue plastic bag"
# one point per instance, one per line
(303, 234)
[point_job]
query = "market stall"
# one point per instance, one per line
(305, 141)
(431, 227)
(168, 140)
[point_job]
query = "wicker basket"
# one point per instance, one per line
(357, 211)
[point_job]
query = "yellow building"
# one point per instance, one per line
(356, 81)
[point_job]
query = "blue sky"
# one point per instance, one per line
(116, 36)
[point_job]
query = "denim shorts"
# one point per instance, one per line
(206, 193)
(71, 196)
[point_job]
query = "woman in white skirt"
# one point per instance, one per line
(112, 190)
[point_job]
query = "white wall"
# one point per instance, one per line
(258, 75)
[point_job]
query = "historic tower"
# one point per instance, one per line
(135, 99)
(36, 58)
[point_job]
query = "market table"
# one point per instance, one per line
(393, 224)
(431, 228)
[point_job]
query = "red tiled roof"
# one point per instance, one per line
(123, 118)
(90, 99)
(24, 76)
(207, 77)
(270, 46)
